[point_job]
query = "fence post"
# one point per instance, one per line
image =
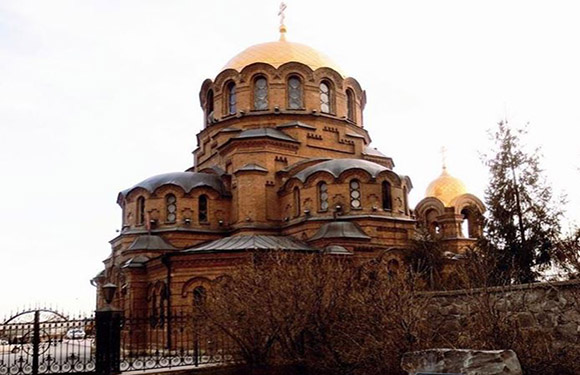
(35, 342)
(108, 353)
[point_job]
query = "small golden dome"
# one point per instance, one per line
(445, 188)
(281, 52)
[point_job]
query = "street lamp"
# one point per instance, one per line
(108, 291)
(108, 338)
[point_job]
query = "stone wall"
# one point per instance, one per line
(547, 308)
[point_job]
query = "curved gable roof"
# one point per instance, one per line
(185, 180)
(337, 166)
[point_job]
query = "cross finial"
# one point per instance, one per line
(444, 157)
(282, 17)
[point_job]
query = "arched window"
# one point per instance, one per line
(325, 97)
(199, 295)
(154, 312)
(140, 211)
(231, 98)
(295, 93)
(296, 193)
(162, 300)
(260, 93)
(350, 109)
(202, 209)
(209, 108)
(431, 222)
(468, 226)
(387, 200)
(170, 208)
(355, 196)
(322, 196)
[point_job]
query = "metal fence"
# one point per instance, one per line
(181, 339)
(45, 342)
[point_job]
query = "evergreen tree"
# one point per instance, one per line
(524, 219)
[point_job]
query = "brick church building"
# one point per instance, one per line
(283, 162)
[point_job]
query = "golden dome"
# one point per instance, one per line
(445, 188)
(281, 52)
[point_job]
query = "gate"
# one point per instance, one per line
(43, 341)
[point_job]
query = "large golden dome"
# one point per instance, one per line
(445, 188)
(281, 52)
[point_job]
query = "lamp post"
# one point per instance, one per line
(108, 290)
(108, 340)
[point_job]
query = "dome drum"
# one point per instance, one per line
(261, 88)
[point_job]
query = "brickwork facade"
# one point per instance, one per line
(283, 154)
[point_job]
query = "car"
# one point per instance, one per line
(75, 334)
(4, 342)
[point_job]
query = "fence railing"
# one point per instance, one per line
(44, 342)
(181, 339)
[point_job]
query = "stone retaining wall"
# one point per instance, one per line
(552, 308)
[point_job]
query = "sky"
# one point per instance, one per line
(96, 96)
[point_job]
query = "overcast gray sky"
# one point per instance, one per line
(98, 95)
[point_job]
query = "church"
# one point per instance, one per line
(283, 162)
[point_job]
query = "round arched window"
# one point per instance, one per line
(260, 93)
(355, 196)
(324, 97)
(171, 208)
(323, 196)
(350, 109)
(294, 93)
(231, 94)
(202, 209)
(140, 211)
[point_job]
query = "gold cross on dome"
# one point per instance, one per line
(444, 157)
(282, 17)
(281, 13)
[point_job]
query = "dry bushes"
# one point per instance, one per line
(326, 314)
(323, 313)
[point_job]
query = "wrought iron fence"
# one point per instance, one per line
(180, 339)
(43, 341)
(47, 342)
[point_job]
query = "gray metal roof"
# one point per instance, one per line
(340, 229)
(185, 180)
(266, 132)
(252, 167)
(150, 242)
(136, 262)
(337, 166)
(371, 151)
(336, 250)
(253, 242)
